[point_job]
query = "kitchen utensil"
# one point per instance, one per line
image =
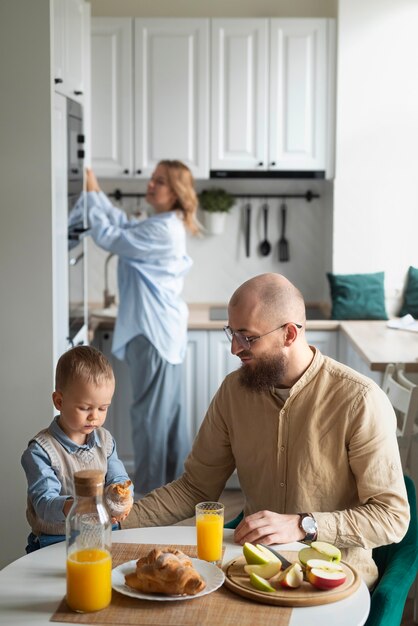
(247, 229)
(285, 562)
(265, 246)
(283, 242)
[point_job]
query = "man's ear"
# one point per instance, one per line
(57, 400)
(291, 334)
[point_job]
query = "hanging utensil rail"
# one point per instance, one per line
(308, 196)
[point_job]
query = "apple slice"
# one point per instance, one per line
(306, 554)
(328, 550)
(324, 578)
(260, 583)
(329, 566)
(258, 555)
(290, 578)
(265, 571)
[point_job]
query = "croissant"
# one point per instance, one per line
(119, 499)
(162, 571)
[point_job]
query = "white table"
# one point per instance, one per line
(32, 587)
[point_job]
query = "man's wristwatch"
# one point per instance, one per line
(309, 526)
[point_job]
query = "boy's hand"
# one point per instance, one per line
(119, 500)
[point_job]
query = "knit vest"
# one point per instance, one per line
(64, 465)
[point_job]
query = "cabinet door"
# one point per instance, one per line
(239, 94)
(118, 421)
(325, 340)
(298, 94)
(196, 379)
(69, 47)
(171, 93)
(60, 227)
(111, 97)
(221, 360)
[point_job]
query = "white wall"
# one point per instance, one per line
(26, 338)
(375, 189)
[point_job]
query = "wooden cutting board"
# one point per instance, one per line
(306, 595)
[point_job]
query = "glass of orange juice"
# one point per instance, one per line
(209, 530)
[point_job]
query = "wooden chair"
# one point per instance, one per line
(404, 400)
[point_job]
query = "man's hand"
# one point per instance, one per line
(268, 527)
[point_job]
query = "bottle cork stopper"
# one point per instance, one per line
(88, 482)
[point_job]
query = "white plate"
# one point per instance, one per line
(211, 574)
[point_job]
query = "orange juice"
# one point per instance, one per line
(209, 529)
(89, 580)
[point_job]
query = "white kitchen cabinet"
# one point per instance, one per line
(161, 65)
(118, 420)
(196, 378)
(272, 81)
(239, 102)
(327, 341)
(207, 362)
(171, 93)
(111, 96)
(351, 357)
(71, 19)
(60, 227)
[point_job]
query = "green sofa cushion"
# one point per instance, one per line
(410, 298)
(357, 296)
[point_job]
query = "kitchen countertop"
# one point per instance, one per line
(377, 344)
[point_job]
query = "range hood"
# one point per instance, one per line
(300, 174)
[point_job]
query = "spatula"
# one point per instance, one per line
(283, 242)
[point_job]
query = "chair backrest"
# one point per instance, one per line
(398, 565)
(404, 400)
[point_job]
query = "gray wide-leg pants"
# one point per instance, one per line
(160, 432)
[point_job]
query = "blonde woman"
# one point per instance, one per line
(151, 325)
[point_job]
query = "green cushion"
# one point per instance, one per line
(410, 298)
(358, 296)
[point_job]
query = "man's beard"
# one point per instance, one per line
(265, 373)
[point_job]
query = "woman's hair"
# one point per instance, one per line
(82, 363)
(181, 182)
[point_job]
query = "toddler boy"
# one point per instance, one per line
(75, 440)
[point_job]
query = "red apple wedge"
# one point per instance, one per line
(325, 574)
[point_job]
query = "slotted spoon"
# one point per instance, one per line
(283, 242)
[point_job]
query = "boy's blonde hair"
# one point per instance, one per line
(82, 363)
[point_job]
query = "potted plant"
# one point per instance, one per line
(216, 204)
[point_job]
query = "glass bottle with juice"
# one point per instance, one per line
(209, 531)
(88, 537)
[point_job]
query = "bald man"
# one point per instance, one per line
(314, 442)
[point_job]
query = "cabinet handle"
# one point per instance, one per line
(273, 163)
(80, 139)
(126, 171)
(57, 81)
(80, 154)
(260, 162)
(78, 93)
(139, 171)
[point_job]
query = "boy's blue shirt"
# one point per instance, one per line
(44, 488)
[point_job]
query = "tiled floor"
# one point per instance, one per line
(233, 501)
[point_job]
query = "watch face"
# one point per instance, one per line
(309, 525)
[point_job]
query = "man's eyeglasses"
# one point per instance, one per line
(244, 341)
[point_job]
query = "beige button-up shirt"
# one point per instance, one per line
(330, 450)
